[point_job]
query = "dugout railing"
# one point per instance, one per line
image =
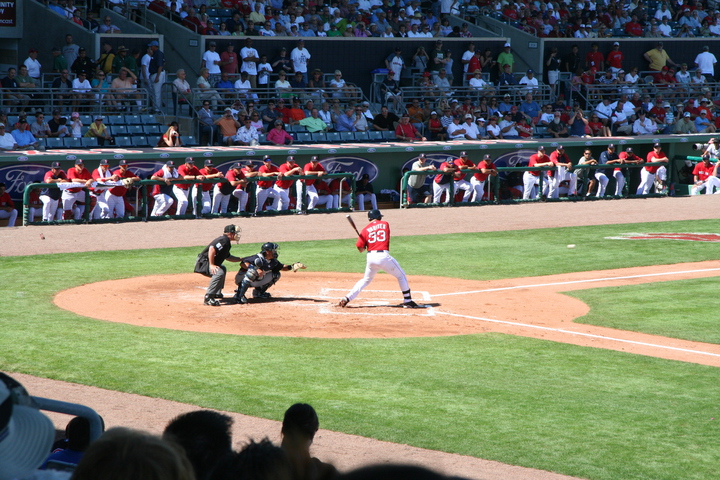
(494, 185)
(142, 207)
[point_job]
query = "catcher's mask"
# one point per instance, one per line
(374, 215)
(270, 247)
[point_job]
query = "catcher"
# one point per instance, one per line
(261, 271)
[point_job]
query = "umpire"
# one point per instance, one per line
(209, 263)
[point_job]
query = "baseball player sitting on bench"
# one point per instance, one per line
(261, 271)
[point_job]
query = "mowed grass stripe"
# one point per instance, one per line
(580, 411)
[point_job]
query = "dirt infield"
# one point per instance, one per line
(450, 313)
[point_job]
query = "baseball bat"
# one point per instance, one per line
(349, 219)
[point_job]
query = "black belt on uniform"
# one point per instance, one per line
(379, 251)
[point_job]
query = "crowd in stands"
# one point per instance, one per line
(196, 445)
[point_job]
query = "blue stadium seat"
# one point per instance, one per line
(123, 141)
(133, 120)
(152, 130)
(318, 137)
(333, 137)
(135, 130)
(54, 143)
(362, 136)
(153, 140)
(190, 141)
(141, 141)
(114, 120)
(117, 130)
(389, 135)
(375, 136)
(262, 139)
(304, 137)
(347, 136)
(71, 142)
(149, 120)
(90, 142)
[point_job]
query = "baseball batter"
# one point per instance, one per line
(261, 271)
(375, 237)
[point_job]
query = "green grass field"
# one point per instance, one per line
(580, 411)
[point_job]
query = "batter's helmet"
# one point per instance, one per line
(374, 215)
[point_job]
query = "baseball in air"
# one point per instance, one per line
(572, 245)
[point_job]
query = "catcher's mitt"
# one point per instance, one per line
(128, 182)
(298, 266)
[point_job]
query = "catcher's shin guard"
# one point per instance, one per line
(242, 289)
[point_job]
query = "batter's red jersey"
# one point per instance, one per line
(267, 169)
(461, 163)
(375, 236)
(703, 171)
(234, 175)
(284, 168)
(206, 187)
(651, 158)
(185, 170)
(484, 164)
(310, 168)
(83, 175)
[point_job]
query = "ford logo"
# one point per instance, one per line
(554, 144)
(371, 150)
(483, 147)
(164, 155)
(332, 150)
(118, 156)
(622, 142)
(70, 157)
(208, 154)
(656, 140)
(409, 149)
(356, 165)
(250, 152)
(447, 147)
(17, 177)
(588, 144)
(292, 152)
(518, 145)
(683, 139)
(22, 159)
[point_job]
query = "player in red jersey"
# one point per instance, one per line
(115, 197)
(340, 192)
(76, 196)
(441, 182)
(312, 168)
(7, 207)
(650, 173)
(704, 176)
(50, 197)
(264, 188)
(487, 168)
(282, 185)
(532, 177)
(375, 237)
(563, 164)
(463, 162)
(209, 172)
(186, 171)
(238, 181)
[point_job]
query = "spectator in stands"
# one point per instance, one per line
(437, 59)
(385, 120)
(619, 121)
(227, 125)
(577, 124)
(658, 58)
(390, 90)
(108, 27)
(33, 66)
(7, 141)
(77, 433)
(100, 131)
(703, 123)
(299, 426)
(506, 58)
(208, 125)
(107, 57)
(282, 62)
(156, 69)
(705, 62)
(298, 84)
(11, 90)
(456, 129)
(685, 124)
(250, 59)
(122, 452)
(558, 128)
(171, 137)
(83, 64)
(24, 138)
(243, 87)
(300, 57)
(124, 87)
(278, 136)
(82, 90)
(406, 131)
(40, 128)
(70, 51)
(181, 87)
(395, 62)
(206, 90)
(314, 124)
(346, 122)
(211, 61)
(59, 62)
(283, 88)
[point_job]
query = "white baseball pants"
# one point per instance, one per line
(530, 183)
(379, 261)
(162, 204)
(362, 198)
(439, 189)
(220, 201)
(182, 199)
(465, 186)
(242, 198)
(478, 189)
(11, 216)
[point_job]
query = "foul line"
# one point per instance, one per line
(576, 281)
(590, 335)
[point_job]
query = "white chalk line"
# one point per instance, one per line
(609, 279)
(583, 334)
(335, 310)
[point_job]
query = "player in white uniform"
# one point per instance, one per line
(375, 237)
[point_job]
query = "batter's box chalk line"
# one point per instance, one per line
(372, 299)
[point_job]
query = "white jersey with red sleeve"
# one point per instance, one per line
(284, 168)
(375, 236)
(309, 168)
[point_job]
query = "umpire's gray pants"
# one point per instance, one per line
(217, 281)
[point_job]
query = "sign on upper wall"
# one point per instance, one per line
(8, 13)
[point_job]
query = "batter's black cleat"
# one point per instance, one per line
(211, 301)
(411, 304)
(343, 302)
